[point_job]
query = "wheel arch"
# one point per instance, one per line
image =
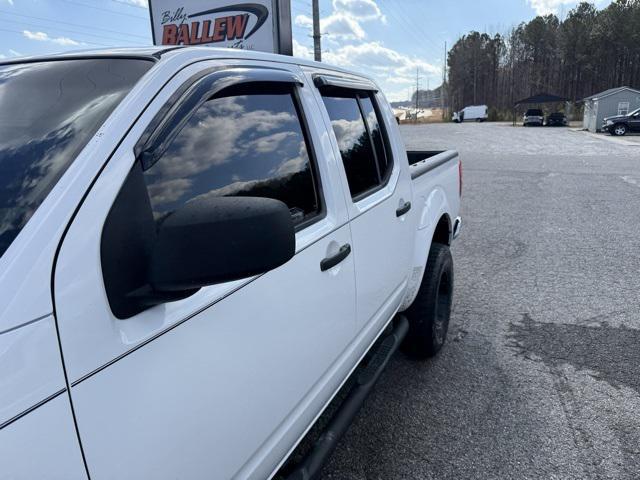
(443, 232)
(435, 226)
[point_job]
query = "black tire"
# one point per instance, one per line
(619, 130)
(429, 313)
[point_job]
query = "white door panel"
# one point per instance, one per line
(42, 445)
(200, 399)
(382, 241)
(90, 335)
(194, 388)
(383, 248)
(30, 367)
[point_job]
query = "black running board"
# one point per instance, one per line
(310, 466)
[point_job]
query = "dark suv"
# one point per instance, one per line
(621, 124)
(557, 119)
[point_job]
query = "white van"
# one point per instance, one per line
(479, 113)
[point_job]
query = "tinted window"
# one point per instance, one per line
(48, 113)
(354, 143)
(369, 112)
(242, 143)
(534, 113)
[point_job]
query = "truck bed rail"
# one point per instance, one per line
(420, 162)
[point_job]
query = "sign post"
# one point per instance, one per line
(263, 25)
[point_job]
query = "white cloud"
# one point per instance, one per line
(359, 9)
(344, 21)
(302, 51)
(338, 25)
(374, 55)
(43, 37)
(14, 53)
(303, 21)
(343, 26)
(345, 43)
(546, 7)
(2, 56)
(394, 71)
(134, 3)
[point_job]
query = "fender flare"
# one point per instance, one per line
(433, 208)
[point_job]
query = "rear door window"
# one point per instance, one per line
(247, 141)
(49, 111)
(377, 136)
(361, 140)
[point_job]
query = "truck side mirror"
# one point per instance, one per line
(220, 239)
(206, 241)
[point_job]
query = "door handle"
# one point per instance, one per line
(403, 209)
(333, 260)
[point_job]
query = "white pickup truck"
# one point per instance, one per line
(198, 247)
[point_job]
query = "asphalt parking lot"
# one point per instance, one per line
(539, 379)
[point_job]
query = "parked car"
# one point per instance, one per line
(556, 119)
(621, 124)
(533, 117)
(198, 247)
(477, 113)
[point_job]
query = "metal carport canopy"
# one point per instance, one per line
(541, 98)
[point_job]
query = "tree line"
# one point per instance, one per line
(587, 52)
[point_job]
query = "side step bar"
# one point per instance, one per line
(310, 466)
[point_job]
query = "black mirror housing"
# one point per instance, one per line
(220, 239)
(207, 241)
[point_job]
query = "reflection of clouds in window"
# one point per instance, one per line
(215, 134)
(372, 120)
(42, 160)
(295, 164)
(269, 143)
(169, 191)
(230, 190)
(348, 133)
(48, 112)
(238, 145)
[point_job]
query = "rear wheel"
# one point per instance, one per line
(619, 129)
(429, 314)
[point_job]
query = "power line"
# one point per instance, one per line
(72, 2)
(74, 24)
(22, 33)
(412, 28)
(65, 31)
(129, 4)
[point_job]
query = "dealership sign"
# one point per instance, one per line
(263, 25)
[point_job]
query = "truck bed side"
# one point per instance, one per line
(435, 177)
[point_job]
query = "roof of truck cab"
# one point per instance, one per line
(161, 53)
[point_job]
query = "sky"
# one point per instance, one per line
(391, 40)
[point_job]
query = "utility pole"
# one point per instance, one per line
(444, 80)
(317, 49)
(417, 94)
